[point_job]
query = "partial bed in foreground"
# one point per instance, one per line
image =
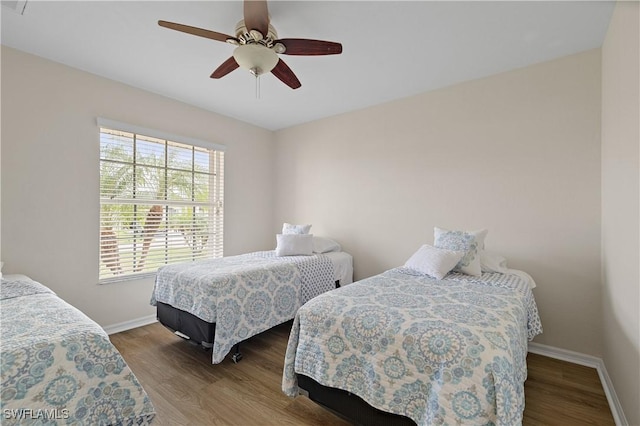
(59, 366)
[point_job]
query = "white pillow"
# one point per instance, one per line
(294, 245)
(434, 261)
(288, 228)
(492, 262)
(470, 242)
(325, 245)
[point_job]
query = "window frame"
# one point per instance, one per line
(217, 190)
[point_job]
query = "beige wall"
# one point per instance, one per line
(517, 153)
(50, 177)
(620, 205)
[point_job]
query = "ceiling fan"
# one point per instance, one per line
(258, 45)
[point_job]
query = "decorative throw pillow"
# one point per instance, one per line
(288, 228)
(325, 245)
(294, 244)
(469, 242)
(433, 261)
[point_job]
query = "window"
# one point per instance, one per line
(161, 201)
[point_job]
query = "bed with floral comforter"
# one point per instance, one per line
(59, 366)
(449, 351)
(243, 295)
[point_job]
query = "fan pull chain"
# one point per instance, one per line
(257, 86)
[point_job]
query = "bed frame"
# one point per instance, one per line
(349, 406)
(192, 328)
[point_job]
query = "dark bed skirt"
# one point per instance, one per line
(349, 406)
(187, 325)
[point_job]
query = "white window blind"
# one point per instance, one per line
(161, 202)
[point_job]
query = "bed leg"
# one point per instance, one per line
(237, 356)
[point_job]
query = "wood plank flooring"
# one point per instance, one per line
(186, 389)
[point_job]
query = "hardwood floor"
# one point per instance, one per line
(186, 389)
(562, 393)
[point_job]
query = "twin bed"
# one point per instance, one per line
(219, 303)
(405, 348)
(59, 367)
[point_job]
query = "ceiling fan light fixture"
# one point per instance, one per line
(258, 46)
(256, 58)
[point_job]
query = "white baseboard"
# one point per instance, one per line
(587, 361)
(128, 325)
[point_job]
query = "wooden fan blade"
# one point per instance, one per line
(195, 31)
(302, 46)
(256, 16)
(285, 75)
(226, 67)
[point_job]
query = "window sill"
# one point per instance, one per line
(125, 278)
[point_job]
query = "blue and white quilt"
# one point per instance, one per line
(449, 351)
(245, 294)
(59, 367)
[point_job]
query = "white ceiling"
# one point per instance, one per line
(390, 49)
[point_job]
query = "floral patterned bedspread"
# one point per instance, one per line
(59, 367)
(449, 351)
(245, 294)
